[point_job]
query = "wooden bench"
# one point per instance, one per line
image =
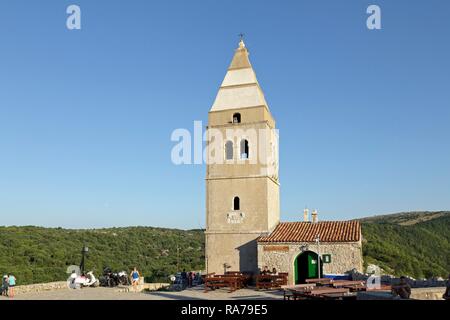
(245, 278)
(296, 292)
(355, 286)
(352, 285)
(328, 293)
(204, 276)
(271, 281)
(342, 283)
(223, 281)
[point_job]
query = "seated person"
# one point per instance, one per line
(274, 272)
(403, 290)
(265, 271)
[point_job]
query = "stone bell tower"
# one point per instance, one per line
(242, 188)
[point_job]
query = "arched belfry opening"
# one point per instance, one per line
(229, 150)
(237, 118)
(236, 204)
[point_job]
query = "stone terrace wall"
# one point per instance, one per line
(39, 287)
(392, 280)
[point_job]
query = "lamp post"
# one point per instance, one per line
(318, 254)
(178, 257)
(84, 252)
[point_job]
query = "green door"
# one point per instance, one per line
(312, 265)
(306, 267)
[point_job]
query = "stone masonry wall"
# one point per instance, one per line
(39, 287)
(344, 256)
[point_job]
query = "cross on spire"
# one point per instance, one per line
(241, 42)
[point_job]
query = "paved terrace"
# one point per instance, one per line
(195, 293)
(59, 291)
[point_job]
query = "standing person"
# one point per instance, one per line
(12, 284)
(184, 278)
(193, 278)
(5, 285)
(134, 275)
(446, 295)
(190, 279)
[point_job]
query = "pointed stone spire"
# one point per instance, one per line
(240, 59)
(240, 88)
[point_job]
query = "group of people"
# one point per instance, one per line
(8, 284)
(266, 271)
(188, 278)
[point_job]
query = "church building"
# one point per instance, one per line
(243, 228)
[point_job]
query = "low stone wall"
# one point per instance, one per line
(416, 294)
(39, 287)
(427, 293)
(392, 280)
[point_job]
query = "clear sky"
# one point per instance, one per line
(86, 115)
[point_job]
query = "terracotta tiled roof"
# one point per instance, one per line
(329, 231)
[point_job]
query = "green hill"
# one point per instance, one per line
(37, 254)
(415, 244)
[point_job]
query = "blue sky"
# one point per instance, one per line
(86, 115)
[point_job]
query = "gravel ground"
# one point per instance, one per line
(196, 293)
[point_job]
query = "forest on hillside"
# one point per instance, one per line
(416, 244)
(36, 254)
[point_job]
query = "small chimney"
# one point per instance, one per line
(306, 215)
(314, 216)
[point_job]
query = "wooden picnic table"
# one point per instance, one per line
(312, 292)
(245, 277)
(322, 281)
(204, 276)
(339, 296)
(330, 293)
(352, 285)
(296, 291)
(220, 281)
(342, 283)
(359, 285)
(271, 281)
(320, 291)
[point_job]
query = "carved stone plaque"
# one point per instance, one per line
(235, 217)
